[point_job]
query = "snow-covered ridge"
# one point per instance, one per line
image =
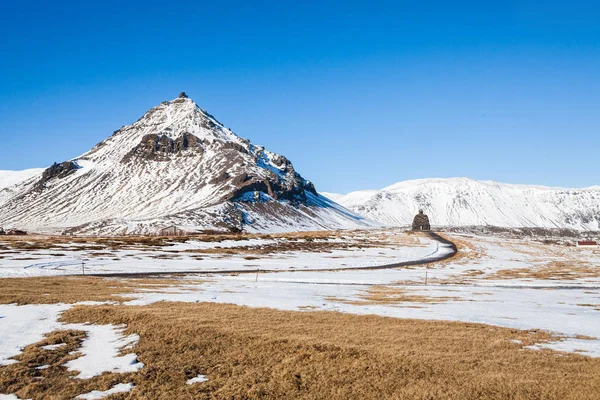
(11, 178)
(464, 201)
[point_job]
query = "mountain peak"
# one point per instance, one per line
(182, 95)
(176, 165)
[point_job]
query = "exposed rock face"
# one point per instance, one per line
(160, 147)
(183, 95)
(56, 171)
(421, 222)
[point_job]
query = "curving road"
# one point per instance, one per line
(435, 257)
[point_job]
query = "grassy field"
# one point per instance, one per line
(252, 353)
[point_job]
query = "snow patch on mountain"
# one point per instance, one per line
(464, 201)
(11, 178)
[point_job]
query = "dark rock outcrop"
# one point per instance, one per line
(276, 188)
(16, 232)
(160, 147)
(182, 95)
(421, 222)
(56, 171)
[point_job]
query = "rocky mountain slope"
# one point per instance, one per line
(177, 165)
(463, 202)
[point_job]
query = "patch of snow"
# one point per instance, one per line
(176, 259)
(198, 379)
(96, 394)
(585, 347)
(101, 349)
(21, 326)
(53, 346)
(11, 178)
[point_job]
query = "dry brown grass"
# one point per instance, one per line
(39, 242)
(468, 251)
(531, 248)
(383, 294)
(100, 246)
(260, 353)
(70, 290)
(596, 306)
(268, 354)
(553, 270)
(311, 246)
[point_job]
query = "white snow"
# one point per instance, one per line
(558, 306)
(101, 349)
(96, 394)
(62, 261)
(572, 345)
(198, 379)
(21, 326)
(11, 178)
(468, 289)
(464, 201)
(53, 346)
(9, 397)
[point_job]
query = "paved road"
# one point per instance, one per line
(435, 257)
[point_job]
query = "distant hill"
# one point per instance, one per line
(464, 202)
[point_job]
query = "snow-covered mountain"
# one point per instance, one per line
(177, 165)
(463, 201)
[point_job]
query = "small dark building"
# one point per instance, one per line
(2, 231)
(421, 222)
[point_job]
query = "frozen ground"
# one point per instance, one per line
(21, 326)
(349, 250)
(97, 394)
(505, 282)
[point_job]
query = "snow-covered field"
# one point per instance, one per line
(473, 287)
(347, 251)
(511, 283)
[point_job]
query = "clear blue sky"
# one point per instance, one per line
(357, 94)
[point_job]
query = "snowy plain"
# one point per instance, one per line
(514, 283)
(347, 251)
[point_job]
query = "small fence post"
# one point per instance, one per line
(256, 280)
(426, 277)
(83, 267)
